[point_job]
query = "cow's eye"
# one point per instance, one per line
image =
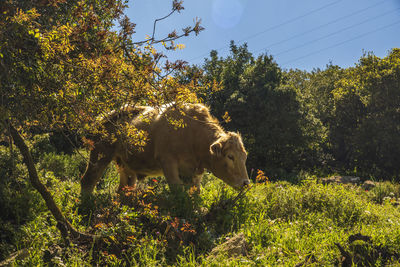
(231, 157)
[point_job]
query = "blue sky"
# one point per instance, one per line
(303, 34)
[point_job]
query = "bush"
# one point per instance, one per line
(63, 166)
(385, 191)
(41, 145)
(19, 203)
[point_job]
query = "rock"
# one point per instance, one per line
(329, 180)
(368, 185)
(235, 246)
(341, 180)
(350, 180)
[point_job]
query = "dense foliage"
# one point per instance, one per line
(63, 64)
(357, 110)
(368, 98)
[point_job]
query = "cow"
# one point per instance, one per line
(181, 152)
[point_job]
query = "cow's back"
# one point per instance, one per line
(185, 135)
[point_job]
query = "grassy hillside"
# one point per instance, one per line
(275, 223)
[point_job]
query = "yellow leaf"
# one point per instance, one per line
(226, 117)
(180, 46)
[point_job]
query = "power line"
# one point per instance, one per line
(288, 21)
(340, 43)
(274, 27)
(336, 32)
(321, 26)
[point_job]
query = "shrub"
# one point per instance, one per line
(63, 166)
(385, 191)
(18, 201)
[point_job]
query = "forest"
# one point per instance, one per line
(65, 64)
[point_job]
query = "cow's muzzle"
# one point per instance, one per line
(242, 184)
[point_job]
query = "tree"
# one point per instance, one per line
(260, 106)
(367, 104)
(352, 115)
(225, 72)
(314, 93)
(62, 66)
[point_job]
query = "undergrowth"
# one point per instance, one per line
(283, 223)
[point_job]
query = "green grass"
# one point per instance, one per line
(284, 224)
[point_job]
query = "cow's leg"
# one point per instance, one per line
(123, 176)
(132, 179)
(196, 182)
(98, 162)
(140, 177)
(171, 173)
(126, 177)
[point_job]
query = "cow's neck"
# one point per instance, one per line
(208, 159)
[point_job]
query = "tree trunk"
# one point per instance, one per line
(66, 229)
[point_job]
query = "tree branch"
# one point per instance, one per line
(63, 224)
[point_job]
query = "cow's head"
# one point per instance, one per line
(229, 160)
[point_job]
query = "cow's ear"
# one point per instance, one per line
(216, 148)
